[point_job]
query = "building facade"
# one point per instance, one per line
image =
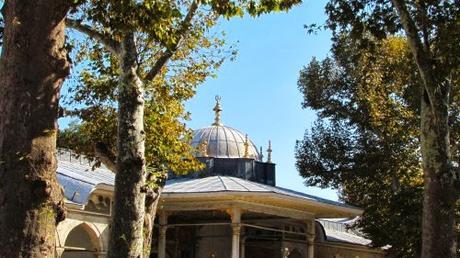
(230, 209)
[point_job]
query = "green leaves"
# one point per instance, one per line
(93, 97)
(365, 142)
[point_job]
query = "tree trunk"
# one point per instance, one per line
(440, 194)
(438, 224)
(33, 66)
(151, 204)
(128, 218)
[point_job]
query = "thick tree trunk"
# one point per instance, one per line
(438, 224)
(440, 193)
(128, 219)
(33, 66)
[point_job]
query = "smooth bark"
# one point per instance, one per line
(33, 66)
(440, 193)
(151, 204)
(108, 158)
(126, 238)
(438, 221)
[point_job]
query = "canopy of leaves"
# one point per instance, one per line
(433, 28)
(158, 18)
(174, 31)
(438, 23)
(93, 89)
(365, 141)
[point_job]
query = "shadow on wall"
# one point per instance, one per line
(81, 243)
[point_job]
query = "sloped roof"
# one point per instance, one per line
(338, 232)
(79, 180)
(234, 184)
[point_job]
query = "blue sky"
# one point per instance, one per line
(259, 89)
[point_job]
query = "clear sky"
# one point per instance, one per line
(259, 89)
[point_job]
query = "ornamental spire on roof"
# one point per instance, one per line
(217, 109)
(269, 152)
(246, 147)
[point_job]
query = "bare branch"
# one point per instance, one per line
(106, 156)
(169, 52)
(108, 42)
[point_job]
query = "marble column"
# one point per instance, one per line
(163, 221)
(311, 246)
(311, 226)
(236, 230)
(243, 247)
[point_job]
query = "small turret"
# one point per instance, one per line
(269, 152)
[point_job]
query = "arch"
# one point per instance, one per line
(295, 254)
(320, 232)
(82, 242)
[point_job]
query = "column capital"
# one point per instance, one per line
(162, 230)
(235, 214)
(59, 251)
(163, 217)
(236, 228)
(311, 226)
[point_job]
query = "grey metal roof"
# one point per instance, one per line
(234, 184)
(79, 180)
(224, 142)
(338, 232)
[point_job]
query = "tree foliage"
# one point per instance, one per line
(358, 143)
(366, 139)
(147, 49)
(161, 36)
(431, 29)
(94, 93)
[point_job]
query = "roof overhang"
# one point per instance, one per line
(265, 200)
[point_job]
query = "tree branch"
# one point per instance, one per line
(109, 43)
(106, 156)
(422, 57)
(169, 52)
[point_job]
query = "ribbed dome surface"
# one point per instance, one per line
(224, 142)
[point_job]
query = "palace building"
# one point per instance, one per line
(230, 209)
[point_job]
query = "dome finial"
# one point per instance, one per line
(246, 147)
(203, 148)
(269, 152)
(217, 109)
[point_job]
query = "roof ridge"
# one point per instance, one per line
(223, 184)
(232, 178)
